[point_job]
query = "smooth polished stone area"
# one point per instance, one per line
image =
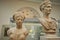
(49, 38)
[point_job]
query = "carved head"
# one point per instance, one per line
(45, 7)
(18, 18)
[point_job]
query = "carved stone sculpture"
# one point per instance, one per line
(19, 32)
(49, 24)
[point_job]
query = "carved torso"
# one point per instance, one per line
(17, 34)
(49, 25)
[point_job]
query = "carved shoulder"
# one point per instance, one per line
(41, 20)
(9, 32)
(55, 20)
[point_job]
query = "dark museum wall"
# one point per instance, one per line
(7, 9)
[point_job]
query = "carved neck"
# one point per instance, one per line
(19, 26)
(46, 16)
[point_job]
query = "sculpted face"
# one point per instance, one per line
(47, 8)
(19, 18)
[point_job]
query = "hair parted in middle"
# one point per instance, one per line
(20, 14)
